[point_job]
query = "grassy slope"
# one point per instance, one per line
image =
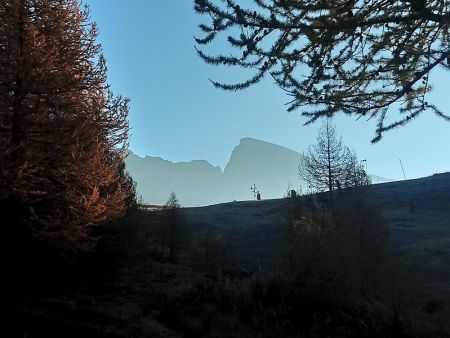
(420, 239)
(250, 227)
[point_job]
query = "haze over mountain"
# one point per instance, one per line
(272, 168)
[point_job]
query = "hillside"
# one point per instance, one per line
(128, 289)
(420, 239)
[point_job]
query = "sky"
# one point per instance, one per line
(176, 113)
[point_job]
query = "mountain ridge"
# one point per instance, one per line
(271, 167)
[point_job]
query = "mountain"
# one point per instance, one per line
(272, 168)
(378, 179)
(156, 178)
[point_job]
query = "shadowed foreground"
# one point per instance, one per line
(238, 270)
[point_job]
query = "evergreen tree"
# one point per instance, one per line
(363, 57)
(172, 202)
(63, 134)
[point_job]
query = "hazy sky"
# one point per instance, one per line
(178, 115)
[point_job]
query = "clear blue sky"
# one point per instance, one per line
(178, 115)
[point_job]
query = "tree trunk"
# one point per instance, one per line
(330, 178)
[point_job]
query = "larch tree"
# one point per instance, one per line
(355, 173)
(63, 135)
(367, 58)
(329, 164)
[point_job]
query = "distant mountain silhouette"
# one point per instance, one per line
(270, 167)
(193, 182)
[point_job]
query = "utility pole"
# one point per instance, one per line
(402, 168)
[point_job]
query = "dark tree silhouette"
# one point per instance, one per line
(172, 202)
(173, 231)
(355, 173)
(329, 163)
(63, 134)
(360, 57)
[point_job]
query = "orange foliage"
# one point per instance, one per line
(63, 135)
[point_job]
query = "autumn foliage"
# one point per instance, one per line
(63, 135)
